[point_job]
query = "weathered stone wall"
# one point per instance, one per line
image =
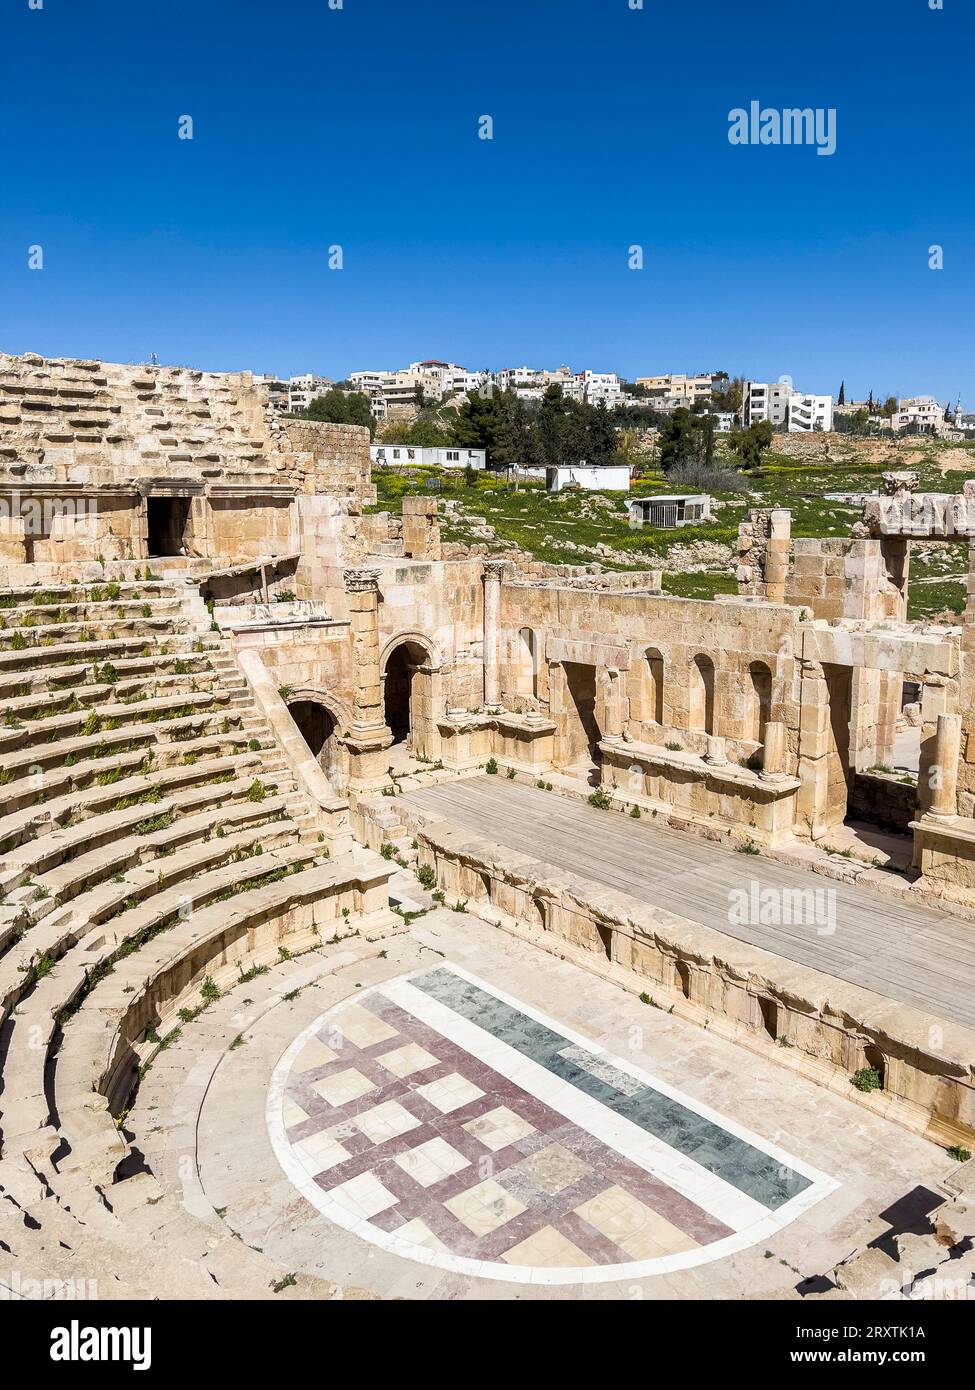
(655, 641)
(441, 603)
(883, 801)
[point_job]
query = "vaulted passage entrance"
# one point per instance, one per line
(407, 696)
(319, 730)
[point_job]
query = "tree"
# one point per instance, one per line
(841, 398)
(342, 408)
(478, 420)
(628, 447)
(728, 398)
(421, 433)
(678, 442)
(751, 444)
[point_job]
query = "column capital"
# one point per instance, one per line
(493, 569)
(361, 581)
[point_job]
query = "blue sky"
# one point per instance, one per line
(358, 127)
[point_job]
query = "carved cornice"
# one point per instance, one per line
(361, 581)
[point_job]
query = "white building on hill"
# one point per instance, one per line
(417, 456)
(785, 408)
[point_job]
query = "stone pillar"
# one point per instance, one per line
(943, 770)
(814, 748)
(716, 755)
(774, 752)
(934, 703)
(612, 707)
(491, 576)
(777, 555)
(764, 543)
(368, 737)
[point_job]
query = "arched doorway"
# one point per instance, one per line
(409, 697)
(319, 729)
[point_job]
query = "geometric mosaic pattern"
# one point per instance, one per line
(444, 1121)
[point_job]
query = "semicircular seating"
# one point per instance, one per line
(151, 836)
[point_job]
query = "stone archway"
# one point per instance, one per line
(411, 675)
(322, 723)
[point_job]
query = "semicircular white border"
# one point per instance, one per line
(821, 1185)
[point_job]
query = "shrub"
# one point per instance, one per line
(867, 1079)
(427, 875)
(958, 1153)
(601, 799)
(674, 747)
(257, 790)
(491, 766)
(386, 850)
(209, 991)
(634, 813)
(747, 847)
(702, 477)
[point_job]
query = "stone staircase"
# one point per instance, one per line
(151, 835)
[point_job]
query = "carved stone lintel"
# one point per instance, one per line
(361, 581)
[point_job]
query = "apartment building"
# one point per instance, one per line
(601, 388)
(675, 389)
(531, 383)
(920, 414)
(785, 408)
(762, 400)
(810, 413)
(302, 390)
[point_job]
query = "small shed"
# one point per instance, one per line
(674, 510)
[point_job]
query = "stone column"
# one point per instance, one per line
(716, 754)
(934, 703)
(814, 744)
(943, 770)
(774, 752)
(491, 576)
(368, 737)
(612, 703)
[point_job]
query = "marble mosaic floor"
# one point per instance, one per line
(452, 1124)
